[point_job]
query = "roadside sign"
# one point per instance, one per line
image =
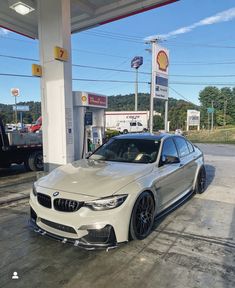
(193, 118)
(210, 110)
(15, 92)
(136, 62)
(20, 108)
(161, 90)
(161, 78)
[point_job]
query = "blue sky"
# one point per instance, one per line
(113, 45)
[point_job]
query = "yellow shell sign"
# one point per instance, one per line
(162, 60)
(84, 98)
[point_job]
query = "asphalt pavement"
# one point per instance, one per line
(193, 247)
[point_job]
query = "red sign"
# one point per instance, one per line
(97, 100)
(15, 92)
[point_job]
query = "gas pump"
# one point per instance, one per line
(89, 122)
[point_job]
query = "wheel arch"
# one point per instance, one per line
(199, 167)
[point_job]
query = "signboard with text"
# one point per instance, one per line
(136, 62)
(20, 108)
(91, 99)
(161, 78)
(193, 117)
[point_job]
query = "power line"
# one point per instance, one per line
(107, 80)
(179, 94)
(17, 75)
(131, 38)
(232, 62)
(108, 69)
(144, 72)
(99, 53)
(18, 58)
(127, 81)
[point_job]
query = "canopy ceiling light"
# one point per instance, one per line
(22, 7)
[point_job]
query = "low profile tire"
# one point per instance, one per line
(34, 161)
(125, 131)
(201, 181)
(142, 217)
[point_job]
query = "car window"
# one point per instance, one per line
(169, 148)
(133, 124)
(128, 150)
(190, 147)
(181, 146)
(139, 124)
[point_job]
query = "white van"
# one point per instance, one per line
(130, 127)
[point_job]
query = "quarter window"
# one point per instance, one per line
(181, 146)
(190, 147)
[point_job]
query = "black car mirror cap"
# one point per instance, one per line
(167, 159)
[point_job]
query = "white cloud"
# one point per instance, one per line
(3, 31)
(223, 16)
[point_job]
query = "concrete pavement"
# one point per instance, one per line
(193, 247)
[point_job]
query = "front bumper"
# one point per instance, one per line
(95, 239)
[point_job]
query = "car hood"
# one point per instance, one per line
(94, 178)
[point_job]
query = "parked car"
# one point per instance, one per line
(131, 127)
(37, 126)
(115, 194)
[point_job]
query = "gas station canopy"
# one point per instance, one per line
(84, 13)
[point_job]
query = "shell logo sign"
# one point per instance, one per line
(84, 98)
(162, 61)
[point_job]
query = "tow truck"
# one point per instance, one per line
(18, 148)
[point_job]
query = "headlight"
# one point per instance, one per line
(106, 203)
(34, 190)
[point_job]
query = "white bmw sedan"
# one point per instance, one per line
(115, 194)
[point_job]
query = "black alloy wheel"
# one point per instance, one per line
(142, 217)
(201, 181)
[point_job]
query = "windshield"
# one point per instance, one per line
(128, 150)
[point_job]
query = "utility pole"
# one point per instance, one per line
(212, 115)
(136, 89)
(225, 111)
(136, 62)
(152, 95)
(166, 116)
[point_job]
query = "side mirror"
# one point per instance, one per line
(166, 159)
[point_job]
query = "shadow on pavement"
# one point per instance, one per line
(210, 173)
(13, 170)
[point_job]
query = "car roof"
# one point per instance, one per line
(144, 136)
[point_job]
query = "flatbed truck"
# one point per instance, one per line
(19, 148)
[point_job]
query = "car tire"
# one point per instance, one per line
(125, 131)
(200, 186)
(34, 162)
(142, 217)
(145, 130)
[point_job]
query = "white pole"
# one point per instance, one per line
(166, 116)
(152, 94)
(212, 115)
(136, 90)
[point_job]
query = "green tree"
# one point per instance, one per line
(208, 96)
